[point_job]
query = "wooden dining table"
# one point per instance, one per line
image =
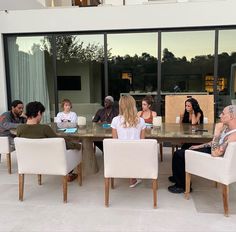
(168, 132)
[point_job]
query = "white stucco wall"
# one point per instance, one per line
(170, 15)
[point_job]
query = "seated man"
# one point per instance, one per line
(11, 120)
(33, 129)
(105, 115)
(225, 132)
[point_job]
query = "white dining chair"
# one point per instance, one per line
(130, 159)
(219, 169)
(6, 150)
(46, 156)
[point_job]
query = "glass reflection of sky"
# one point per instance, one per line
(26, 43)
(181, 44)
(227, 41)
(132, 43)
(189, 44)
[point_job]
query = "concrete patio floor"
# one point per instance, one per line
(130, 209)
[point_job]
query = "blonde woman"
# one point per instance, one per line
(127, 125)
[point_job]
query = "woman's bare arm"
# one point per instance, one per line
(114, 133)
(142, 134)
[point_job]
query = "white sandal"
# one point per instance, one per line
(136, 183)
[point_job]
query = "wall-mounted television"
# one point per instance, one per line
(68, 82)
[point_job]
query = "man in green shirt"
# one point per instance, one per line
(34, 130)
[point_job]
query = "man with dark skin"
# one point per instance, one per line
(12, 119)
(105, 115)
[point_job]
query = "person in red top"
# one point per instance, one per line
(147, 114)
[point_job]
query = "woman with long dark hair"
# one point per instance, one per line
(192, 113)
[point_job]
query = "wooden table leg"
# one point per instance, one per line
(90, 165)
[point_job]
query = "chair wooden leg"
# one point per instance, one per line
(161, 151)
(154, 189)
(225, 191)
(107, 183)
(80, 174)
(21, 186)
(112, 183)
(65, 189)
(187, 185)
(39, 179)
(9, 162)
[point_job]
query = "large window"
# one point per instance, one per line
(132, 64)
(80, 71)
(28, 77)
(226, 84)
(187, 61)
(52, 68)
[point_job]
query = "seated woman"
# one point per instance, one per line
(192, 113)
(147, 114)
(66, 115)
(128, 125)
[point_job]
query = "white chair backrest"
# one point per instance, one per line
(4, 145)
(41, 156)
(55, 119)
(130, 158)
(230, 162)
